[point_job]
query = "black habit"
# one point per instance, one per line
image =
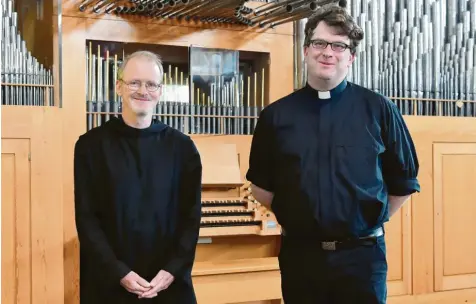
(138, 208)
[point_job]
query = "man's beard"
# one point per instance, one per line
(141, 113)
(138, 110)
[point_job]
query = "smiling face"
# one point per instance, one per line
(325, 64)
(139, 86)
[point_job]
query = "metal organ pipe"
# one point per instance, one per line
(414, 49)
(300, 70)
(25, 81)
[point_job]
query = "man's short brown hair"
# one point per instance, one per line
(337, 17)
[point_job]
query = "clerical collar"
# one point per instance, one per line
(329, 94)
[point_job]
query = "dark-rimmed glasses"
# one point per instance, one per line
(335, 46)
(135, 85)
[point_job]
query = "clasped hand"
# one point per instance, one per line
(133, 283)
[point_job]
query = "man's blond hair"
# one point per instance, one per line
(143, 54)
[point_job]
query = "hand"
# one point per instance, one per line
(133, 283)
(161, 282)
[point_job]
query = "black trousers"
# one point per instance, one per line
(310, 275)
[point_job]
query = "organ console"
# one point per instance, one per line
(228, 206)
(238, 241)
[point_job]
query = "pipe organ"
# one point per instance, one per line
(224, 61)
(419, 49)
(217, 91)
(25, 80)
(422, 54)
(238, 12)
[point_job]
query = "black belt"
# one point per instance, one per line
(349, 243)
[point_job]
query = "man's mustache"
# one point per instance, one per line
(140, 96)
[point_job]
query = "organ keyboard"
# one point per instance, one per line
(238, 216)
(228, 207)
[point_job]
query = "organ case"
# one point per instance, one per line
(425, 244)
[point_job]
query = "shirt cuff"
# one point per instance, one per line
(402, 187)
(259, 181)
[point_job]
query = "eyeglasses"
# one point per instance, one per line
(335, 46)
(135, 85)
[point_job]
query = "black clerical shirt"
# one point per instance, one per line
(138, 208)
(331, 163)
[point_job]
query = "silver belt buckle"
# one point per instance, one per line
(331, 246)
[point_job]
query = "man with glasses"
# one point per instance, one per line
(334, 161)
(137, 199)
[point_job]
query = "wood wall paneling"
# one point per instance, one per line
(74, 111)
(16, 224)
(399, 252)
(32, 219)
(455, 211)
(238, 287)
(439, 226)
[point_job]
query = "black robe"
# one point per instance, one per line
(137, 208)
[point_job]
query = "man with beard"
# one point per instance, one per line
(334, 161)
(137, 199)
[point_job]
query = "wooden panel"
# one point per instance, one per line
(428, 133)
(237, 247)
(74, 109)
(242, 143)
(220, 165)
(399, 252)
(238, 288)
(423, 133)
(236, 266)
(455, 211)
(32, 204)
(16, 224)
